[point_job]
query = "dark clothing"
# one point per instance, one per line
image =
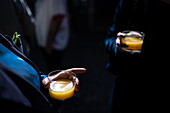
(17, 61)
(14, 18)
(20, 86)
(134, 85)
(18, 95)
(129, 17)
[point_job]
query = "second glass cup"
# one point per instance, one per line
(134, 40)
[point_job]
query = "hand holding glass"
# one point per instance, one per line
(62, 83)
(132, 39)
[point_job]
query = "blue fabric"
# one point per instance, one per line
(43, 76)
(110, 44)
(19, 66)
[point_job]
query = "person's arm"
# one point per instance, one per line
(122, 21)
(128, 16)
(110, 41)
(53, 29)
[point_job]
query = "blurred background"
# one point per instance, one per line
(89, 21)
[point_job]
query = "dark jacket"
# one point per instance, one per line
(15, 18)
(20, 81)
(137, 15)
(136, 79)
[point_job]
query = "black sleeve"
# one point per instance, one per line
(129, 15)
(17, 94)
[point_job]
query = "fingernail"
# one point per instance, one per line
(77, 83)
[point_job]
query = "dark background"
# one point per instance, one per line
(89, 21)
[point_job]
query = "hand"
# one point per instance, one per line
(124, 34)
(65, 74)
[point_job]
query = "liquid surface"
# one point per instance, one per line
(134, 43)
(61, 89)
(62, 85)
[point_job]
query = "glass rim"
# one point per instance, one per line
(52, 73)
(57, 71)
(128, 31)
(63, 83)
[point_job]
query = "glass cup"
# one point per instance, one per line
(134, 40)
(62, 88)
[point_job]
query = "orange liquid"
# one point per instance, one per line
(61, 89)
(134, 43)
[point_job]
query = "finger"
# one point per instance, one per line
(118, 41)
(76, 88)
(134, 33)
(73, 78)
(77, 70)
(76, 80)
(120, 44)
(62, 75)
(46, 82)
(56, 76)
(121, 34)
